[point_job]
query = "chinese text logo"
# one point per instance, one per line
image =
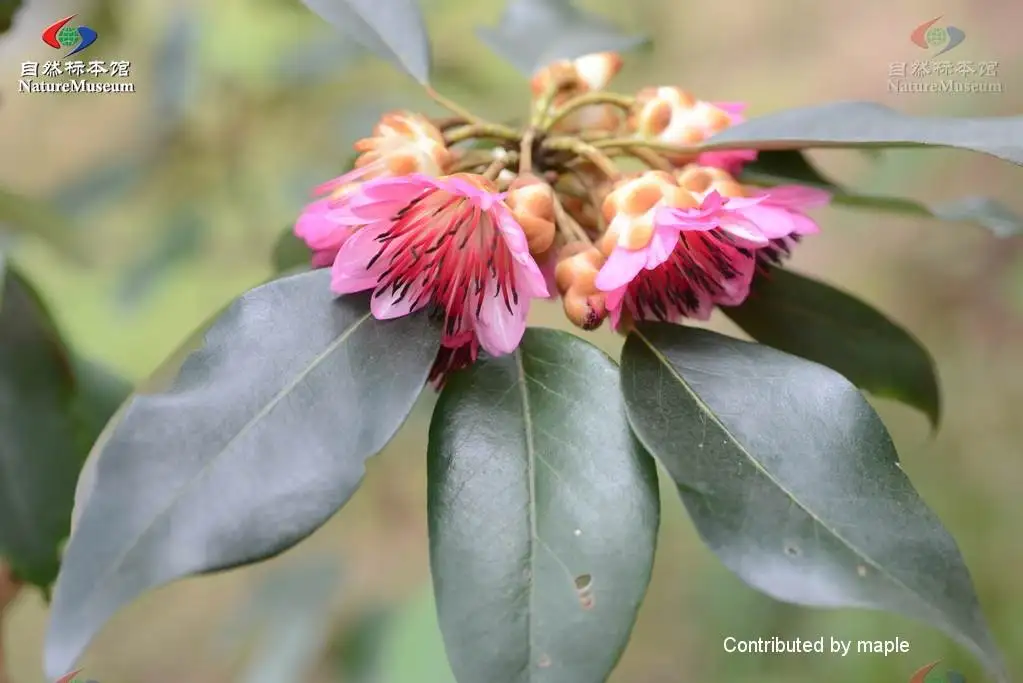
(59, 35)
(927, 35)
(928, 674)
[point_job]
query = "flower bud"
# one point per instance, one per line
(531, 201)
(403, 143)
(702, 180)
(578, 264)
(674, 116)
(587, 311)
(583, 74)
(631, 207)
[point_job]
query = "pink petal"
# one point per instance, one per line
(350, 272)
(733, 108)
(797, 196)
(323, 258)
(662, 243)
(773, 222)
(620, 268)
(388, 304)
(499, 329)
(685, 219)
(804, 225)
(744, 230)
(350, 177)
(613, 301)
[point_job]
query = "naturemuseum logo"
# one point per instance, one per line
(64, 75)
(928, 36)
(59, 35)
(929, 674)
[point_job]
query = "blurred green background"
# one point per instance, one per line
(176, 194)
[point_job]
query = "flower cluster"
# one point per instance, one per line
(473, 234)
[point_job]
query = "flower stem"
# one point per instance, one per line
(638, 143)
(526, 151)
(589, 152)
(477, 131)
(453, 107)
(624, 102)
(543, 106)
(569, 226)
(498, 165)
(649, 157)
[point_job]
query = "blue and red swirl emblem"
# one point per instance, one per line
(59, 35)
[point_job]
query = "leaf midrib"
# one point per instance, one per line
(273, 402)
(527, 421)
(756, 464)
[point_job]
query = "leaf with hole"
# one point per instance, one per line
(392, 29)
(784, 167)
(261, 438)
(793, 481)
(867, 124)
(533, 33)
(812, 320)
(543, 513)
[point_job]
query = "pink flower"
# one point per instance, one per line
(447, 243)
(319, 224)
(784, 205)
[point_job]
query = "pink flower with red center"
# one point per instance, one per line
(402, 143)
(692, 247)
(447, 243)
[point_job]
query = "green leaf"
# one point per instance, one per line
(793, 481)
(19, 214)
(38, 459)
(543, 513)
(290, 252)
(783, 167)
(392, 29)
(98, 393)
(261, 438)
(8, 8)
(866, 124)
(533, 33)
(820, 323)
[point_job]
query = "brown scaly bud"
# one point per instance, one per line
(531, 201)
(584, 74)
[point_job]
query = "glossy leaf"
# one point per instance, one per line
(543, 515)
(866, 124)
(793, 481)
(812, 320)
(391, 29)
(8, 10)
(534, 33)
(783, 167)
(20, 214)
(261, 438)
(290, 252)
(38, 458)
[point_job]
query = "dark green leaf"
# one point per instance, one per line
(99, 392)
(543, 515)
(38, 459)
(533, 33)
(793, 481)
(290, 252)
(782, 167)
(261, 438)
(8, 8)
(19, 214)
(817, 322)
(391, 29)
(866, 124)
